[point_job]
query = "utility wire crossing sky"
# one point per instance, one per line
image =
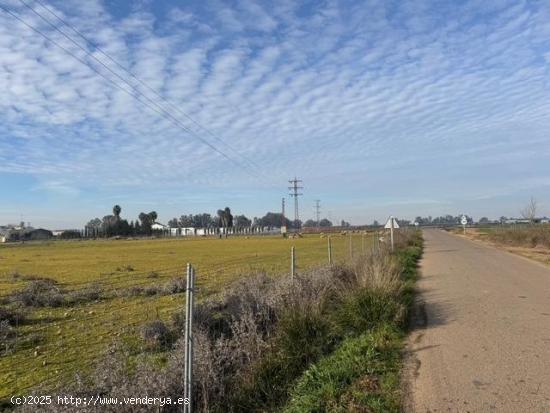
(381, 107)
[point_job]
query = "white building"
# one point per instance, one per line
(157, 226)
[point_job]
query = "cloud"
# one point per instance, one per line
(292, 88)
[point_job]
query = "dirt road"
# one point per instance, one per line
(482, 337)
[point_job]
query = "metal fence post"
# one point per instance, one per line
(191, 336)
(329, 251)
(188, 339)
(292, 262)
(350, 246)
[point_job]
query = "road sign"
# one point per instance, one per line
(389, 223)
(464, 221)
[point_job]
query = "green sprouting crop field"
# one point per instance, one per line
(110, 288)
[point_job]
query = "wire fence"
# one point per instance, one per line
(52, 343)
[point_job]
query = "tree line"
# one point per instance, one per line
(114, 225)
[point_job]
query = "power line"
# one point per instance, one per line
(295, 188)
(141, 82)
(162, 112)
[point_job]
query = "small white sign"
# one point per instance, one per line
(389, 223)
(283, 229)
(464, 220)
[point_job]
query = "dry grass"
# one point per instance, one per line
(530, 241)
(530, 236)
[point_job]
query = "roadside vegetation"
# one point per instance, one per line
(530, 236)
(328, 340)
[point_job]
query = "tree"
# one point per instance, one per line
(70, 234)
(375, 223)
(228, 217)
(310, 223)
(94, 223)
(186, 221)
(483, 220)
(242, 222)
(147, 220)
(272, 219)
(173, 223)
(116, 211)
(225, 219)
(530, 210)
(325, 223)
(344, 224)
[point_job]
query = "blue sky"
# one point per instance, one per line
(381, 107)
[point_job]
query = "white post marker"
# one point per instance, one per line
(391, 225)
(464, 221)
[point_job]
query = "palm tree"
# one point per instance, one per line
(116, 212)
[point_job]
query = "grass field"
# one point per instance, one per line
(55, 342)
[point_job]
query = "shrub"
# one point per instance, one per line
(40, 293)
(6, 332)
(175, 286)
(368, 309)
(11, 316)
(90, 293)
(156, 335)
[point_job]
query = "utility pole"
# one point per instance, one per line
(318, 210)
(294, 193)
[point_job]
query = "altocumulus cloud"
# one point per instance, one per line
(294, 86)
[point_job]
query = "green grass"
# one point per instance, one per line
(362, 374)
(363, 371)
(57, 342)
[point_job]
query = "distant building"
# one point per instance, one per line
(517, 221)
(157, 226)
(12, 233)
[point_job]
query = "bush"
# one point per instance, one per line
(368, 309)
(90, 293)
(156, 335)
(175, 286)
(11, 316)
(40, 293)
(6, 330)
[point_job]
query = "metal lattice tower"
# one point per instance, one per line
(318, 210)
(283, 220)
(294, 193)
